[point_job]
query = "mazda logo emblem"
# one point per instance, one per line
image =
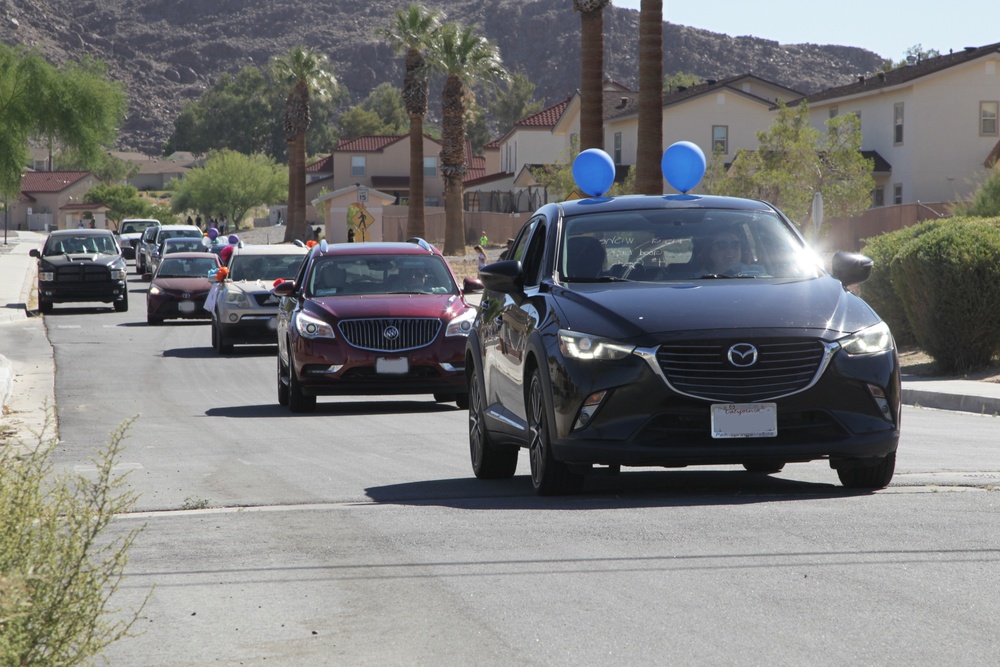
(390, 333)
(742, 355)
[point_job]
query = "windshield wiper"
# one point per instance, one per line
(714, 276)
(599, 279)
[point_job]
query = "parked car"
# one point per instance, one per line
(144, 248)
(372, 318)
(151, 242)
(675, 331)
(242, 307)
(80, 265)
(179, 287)
(130, 234)
(176, 244)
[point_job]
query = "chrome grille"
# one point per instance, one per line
(701, 369)
(376, 334)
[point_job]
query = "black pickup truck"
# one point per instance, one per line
(78, 265)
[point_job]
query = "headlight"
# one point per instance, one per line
(154, 290)
(118, 274)
(874, 339)
(47, 276)
(312, 327)
(576, 345)
(238, 299)
(461, 325)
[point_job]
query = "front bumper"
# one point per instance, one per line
(170, 308)
(251, 328)
(107, 291)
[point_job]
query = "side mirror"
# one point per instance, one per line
(472, 285)
(504, 277)
(851, 268)
(34, 253)
(286, 288)
(147, 277)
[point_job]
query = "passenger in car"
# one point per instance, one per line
(585, 257)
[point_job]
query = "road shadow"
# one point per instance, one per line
(59, 311)
(630, 489)
(339, 408)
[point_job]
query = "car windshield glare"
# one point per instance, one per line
(380, 274)
(267, 268)
(660, 245)
(89, 245)
(186, 267)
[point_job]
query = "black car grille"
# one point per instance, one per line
(702, 369)
(390, 334)
(83, 273)
(691, 427)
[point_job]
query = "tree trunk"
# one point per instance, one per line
(415, 212)
(648, 175)
(296, 218)
(453, 163)
(592, 79)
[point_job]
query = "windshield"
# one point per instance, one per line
(178, 233)
(380, 274)
(681, 244)
(264, 267)
(135, 226)
(186, 267)
(90, 245)
(182, 245)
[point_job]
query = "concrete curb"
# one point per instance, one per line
(944, 401)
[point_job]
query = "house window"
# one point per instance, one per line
(834, 111)
(430, 166)
(897, 124)
(897, 193)
(618, 147)
(720, 139)
(878, 197)
(988, 118)
(357, 165)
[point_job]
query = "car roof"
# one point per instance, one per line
(86, 231)
(377, 248)
(277, 249)
(142, 220)
(633, 202)
(190, 255)
(187, 227)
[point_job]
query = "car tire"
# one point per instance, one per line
(44, 307)
(282, 387)
(219, 340)
(462, 401)
(549, 476)
(489, 461)
(875, 476)
(153, 321)
(764, 467)
(297, 401)
(138, 266)
(121, 306)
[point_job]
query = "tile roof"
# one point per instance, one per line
(321, 166)
(368, 144)
(902, 75)
(50, 181)
(546, 117)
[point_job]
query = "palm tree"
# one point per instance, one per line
(411, 31)
(648, 177)
(591, 72)
(463, 57)
(308, 74)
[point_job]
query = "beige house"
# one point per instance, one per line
(718, 116)
(44, 196)
(934, 122)
(383, 163)
(156, 172)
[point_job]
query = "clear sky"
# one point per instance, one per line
(888, 30)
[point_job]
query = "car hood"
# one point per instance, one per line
(130, 236)
(183, 284)
(79, 258)
(632, 311)
(249, 286)
(389, 305)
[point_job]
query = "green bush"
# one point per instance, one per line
(949, 282)
(58, 569)
(878, 290)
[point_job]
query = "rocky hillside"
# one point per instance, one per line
(169, 51)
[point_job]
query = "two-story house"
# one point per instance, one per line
(934, 121)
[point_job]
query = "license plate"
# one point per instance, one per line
(186, 306)
(744, 420)
(392, 365)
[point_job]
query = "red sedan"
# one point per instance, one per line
(179, 287)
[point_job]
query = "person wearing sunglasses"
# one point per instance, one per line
(722, 254)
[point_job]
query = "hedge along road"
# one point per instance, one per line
(357, 535)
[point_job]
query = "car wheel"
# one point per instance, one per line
(219, 339)
(297, 401)
(44, 307)
(488, 460)
(876, 476)
(462, 401)
(764, 467)
(548, 476)
(282, 387)
(153, 321)
(121, 306)
(138, 267)
(443, 398)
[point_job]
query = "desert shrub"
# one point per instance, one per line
(949, 281)
(58, 567)
(878, 290)
(985, 202)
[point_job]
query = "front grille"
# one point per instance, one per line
(83, 273)
(265, 299)
(691, 426)
(701, 369)
(390, 334)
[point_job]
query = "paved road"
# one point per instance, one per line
(357, 536)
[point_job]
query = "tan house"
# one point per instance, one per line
(718, 116)
(383, 163)
(156, 172)
(45, 194)
(935, 123)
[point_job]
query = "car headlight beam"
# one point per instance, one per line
(874, 339)
(576, 345)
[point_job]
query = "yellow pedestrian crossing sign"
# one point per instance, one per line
(359, 219)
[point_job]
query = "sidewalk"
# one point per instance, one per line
(27, 369)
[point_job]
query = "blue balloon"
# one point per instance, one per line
(594, 172)
(683, 166)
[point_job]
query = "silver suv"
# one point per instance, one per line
(242, 306)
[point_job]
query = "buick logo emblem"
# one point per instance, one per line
(742, 355)
(390, 333)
